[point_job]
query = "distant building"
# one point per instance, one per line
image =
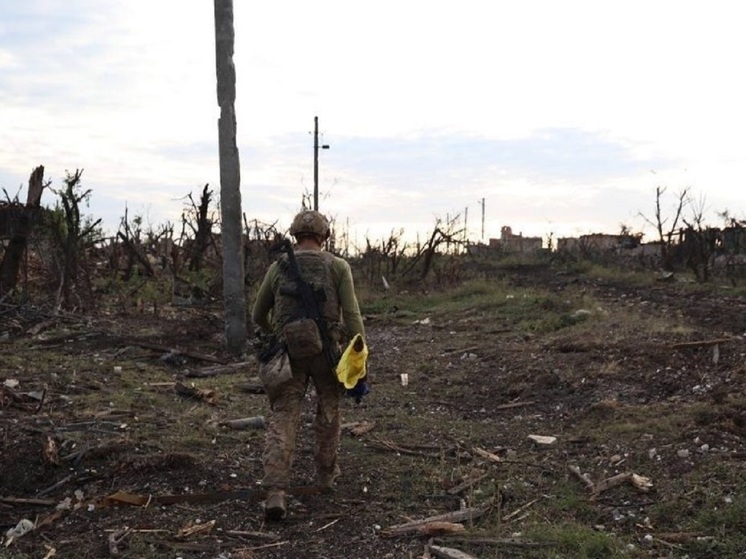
(516, 244)
(596, 243)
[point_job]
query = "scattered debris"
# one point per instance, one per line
(26, 401)
(467, 483)
(467, 514)
(51, 452)
(216, 370)
(413, 450)
(195, 528)
(448, 553)
(702, 343)
(486, 454)
(359, 428)
(175, 351)
(512, 405)
(542, 440)
(519, 510)
(115, 538)
(440, 528)
(271, 536)
(205, 394)
(251, 387)
(256, 422)
(641, 483)
(23, 527)
(327, 525)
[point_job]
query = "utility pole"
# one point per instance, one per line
(481, 202)
(466, 219)
(316, 147)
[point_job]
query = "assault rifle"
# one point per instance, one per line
(309, 298)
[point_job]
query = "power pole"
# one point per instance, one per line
(481, 202)
(316, 147)
(466, 219)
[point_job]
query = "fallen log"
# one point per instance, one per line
(702, 343)
(440, 528)
(256, 422)
(28, 501)
(456, 516)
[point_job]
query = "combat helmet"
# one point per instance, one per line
(310, 222)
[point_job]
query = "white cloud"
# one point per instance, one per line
(550, 110)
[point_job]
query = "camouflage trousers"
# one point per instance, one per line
(286, 403)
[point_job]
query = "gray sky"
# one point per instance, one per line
(562, 116)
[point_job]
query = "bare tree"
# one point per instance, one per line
(234, 297)
(446, 235)
(666, 227)
(202, 229)
(73, 233)
(700, 242)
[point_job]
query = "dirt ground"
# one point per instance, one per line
(97, 410)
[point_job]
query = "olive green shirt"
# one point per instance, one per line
(343, 283)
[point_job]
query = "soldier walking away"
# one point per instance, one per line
(309, 341)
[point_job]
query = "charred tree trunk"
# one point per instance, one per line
(203, 230)
(234, 298)
(13, 256)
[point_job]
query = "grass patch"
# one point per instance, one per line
(526, 310)
(569, 539)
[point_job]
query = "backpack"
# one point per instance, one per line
(300, 333)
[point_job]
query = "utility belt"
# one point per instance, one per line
(300, 339)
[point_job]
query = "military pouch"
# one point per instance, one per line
(275, 371)
(302, 338)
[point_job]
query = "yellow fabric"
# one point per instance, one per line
(351, 366)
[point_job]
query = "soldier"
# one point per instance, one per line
(277, 311)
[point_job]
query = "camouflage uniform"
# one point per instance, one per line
(343, 318)
(286, 405)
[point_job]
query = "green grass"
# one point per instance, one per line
(569, 539)
(526, 310)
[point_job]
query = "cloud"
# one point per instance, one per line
(553, 113)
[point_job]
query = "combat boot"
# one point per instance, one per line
(274, 506)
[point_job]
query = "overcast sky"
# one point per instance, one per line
(562, 116)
